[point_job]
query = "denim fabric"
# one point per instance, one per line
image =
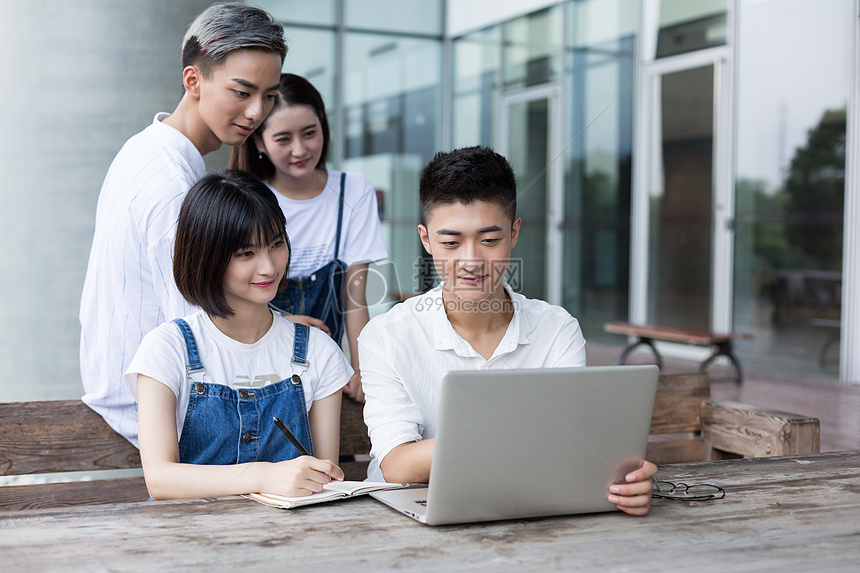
(228, 426)
(320, 294)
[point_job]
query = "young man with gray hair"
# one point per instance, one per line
(232, 56)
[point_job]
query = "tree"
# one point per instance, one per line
(815, 193)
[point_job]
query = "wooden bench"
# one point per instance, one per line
(687, 426)
(834, 326)
(62, 436)
(66, 436)
(646, 334)
(354, 441)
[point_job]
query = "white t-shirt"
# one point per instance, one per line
(163, 356)
(129, 287)
(405, 352)
(312, 225)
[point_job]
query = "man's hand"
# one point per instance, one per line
(634, 497)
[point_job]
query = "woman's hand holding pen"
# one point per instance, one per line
(300, 476)
(306, 473)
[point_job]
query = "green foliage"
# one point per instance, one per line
(815, 193)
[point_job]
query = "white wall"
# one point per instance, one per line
(81, 78)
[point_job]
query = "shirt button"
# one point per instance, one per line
(313, 277)
(247, 438)
(243, 394)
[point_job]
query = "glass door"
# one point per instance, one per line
(529, 137)
(682, 262)
(793, 270)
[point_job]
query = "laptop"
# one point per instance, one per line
(529, 443)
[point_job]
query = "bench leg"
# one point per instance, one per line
(725, 349)
(645, 341)
(825, 349)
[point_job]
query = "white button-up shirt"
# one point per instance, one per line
(405, 352)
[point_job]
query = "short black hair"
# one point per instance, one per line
(467, 175)
(222, 214)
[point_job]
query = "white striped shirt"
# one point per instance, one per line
(129, 287)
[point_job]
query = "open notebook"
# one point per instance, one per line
(331, 491)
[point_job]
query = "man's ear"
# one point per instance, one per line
(191, 77)
(515, 231)
(425, 239)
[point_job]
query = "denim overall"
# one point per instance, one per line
(320, 295)
(225, 426)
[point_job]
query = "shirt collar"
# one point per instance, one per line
(446, 338)
(177, 140)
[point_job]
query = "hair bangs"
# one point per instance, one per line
(221, 215)
(251, 220)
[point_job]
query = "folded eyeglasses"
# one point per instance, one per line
(685, 492)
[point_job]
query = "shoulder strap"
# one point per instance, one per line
(194, 363)
(339, 214)
(300, 344)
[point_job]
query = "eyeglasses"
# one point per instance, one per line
(684, 492)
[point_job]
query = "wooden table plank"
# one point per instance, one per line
(779, 513)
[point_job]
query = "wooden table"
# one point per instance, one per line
(800, 513)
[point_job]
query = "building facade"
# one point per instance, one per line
(682, 162)
(690, 162)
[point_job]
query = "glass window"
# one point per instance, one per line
(477, 58)
(790, 182)
(681, 199)
(689, 25)
(391, 98)
(319, 12)
(532, 52)
(311, 55)
(530, 151)
(410, 16)
(391, 94)
(597, 170)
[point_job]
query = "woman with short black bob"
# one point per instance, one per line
(208, 386)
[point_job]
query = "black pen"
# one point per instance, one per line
(290, 436)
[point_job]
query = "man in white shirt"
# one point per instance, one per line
(231, 57)
(472, 321)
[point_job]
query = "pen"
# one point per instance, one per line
(290, 436)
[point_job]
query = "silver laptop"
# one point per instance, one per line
(533, 442)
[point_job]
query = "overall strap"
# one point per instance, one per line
(339, 214)
(195, 365)
(300, 345)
